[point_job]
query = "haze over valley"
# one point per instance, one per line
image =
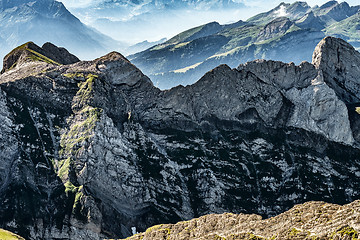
(137, 21)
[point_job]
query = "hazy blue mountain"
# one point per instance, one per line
(287, 33)
(153, 19)
(43, 21)
(292, 11)
(141, 46)
(333, 12)
(348, 29)
(146, 5)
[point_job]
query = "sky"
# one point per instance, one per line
(271, 3)
(261, 4)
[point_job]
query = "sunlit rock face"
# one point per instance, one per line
(92, 149)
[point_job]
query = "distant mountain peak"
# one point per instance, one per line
(43, 21)
(277, 26)
(329, 4)
(293, 11)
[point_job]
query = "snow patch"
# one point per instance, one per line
(281, 12)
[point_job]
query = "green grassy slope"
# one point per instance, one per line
(6, 235)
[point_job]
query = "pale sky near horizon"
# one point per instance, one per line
(261, 4)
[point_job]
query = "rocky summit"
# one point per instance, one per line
(30, 52)
(92, 149)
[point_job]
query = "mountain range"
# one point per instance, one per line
(49, 21)
(92, 149)
(129, 8)
(287, 33)
(136, 21)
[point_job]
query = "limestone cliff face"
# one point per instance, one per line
(338, 62)
(92, 149)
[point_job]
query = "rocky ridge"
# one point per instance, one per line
(92, 149)
(30, 52)
(311, 220)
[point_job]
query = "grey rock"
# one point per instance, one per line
(316, 106)
(275, 28)
(310, 21)
(94, 149)
(338, 61)
(318, 109)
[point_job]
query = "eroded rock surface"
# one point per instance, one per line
(339, 63)
(93, 149)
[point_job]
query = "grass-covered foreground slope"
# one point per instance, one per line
(286, 33)
(311, 220)
(6, 235)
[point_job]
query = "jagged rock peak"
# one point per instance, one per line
(338, 60)
(311, 220)
(30, 52)
(130, 155)
(310, 21)
(329, 4)
(113, 56)
(331, 45)
(59, 54)
(119, 70)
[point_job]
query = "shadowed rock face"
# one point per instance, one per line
(92, 149)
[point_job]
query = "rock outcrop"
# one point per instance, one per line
(339, 63)
(92, 149)
(277, 27)
(28, 52)
(312, 220)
